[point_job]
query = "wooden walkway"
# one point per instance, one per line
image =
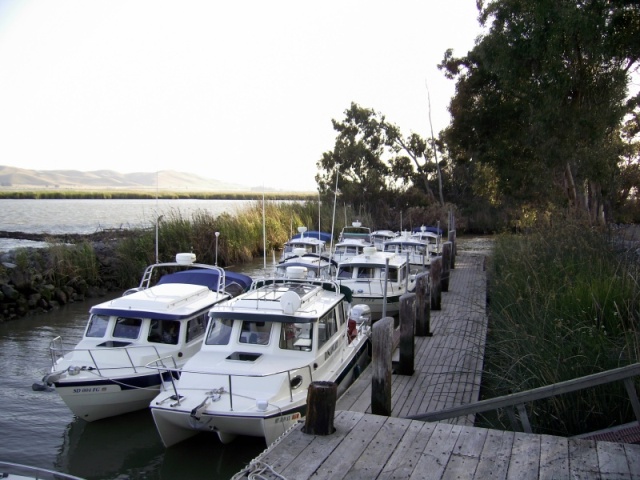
(448, 368)
(448, 365)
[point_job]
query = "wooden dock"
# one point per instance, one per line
(448, 372)
(448, 364)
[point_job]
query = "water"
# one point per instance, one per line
(89, 216)
(39, 430)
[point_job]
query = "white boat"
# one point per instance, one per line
(105, 374)
(355, 231)
(432, 236)
(413, 249)
(377, 279)
(262, 351)
(378, 237)
(311, 242)
(316, 266)
(352, 241)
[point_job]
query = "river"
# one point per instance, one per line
(39, 430)
(63, 216)
(37, 427)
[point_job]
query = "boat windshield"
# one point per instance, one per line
(97, 326)
(219, 331)
(127, 327)
(256, 333)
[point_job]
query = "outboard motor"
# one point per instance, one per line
(359, 316)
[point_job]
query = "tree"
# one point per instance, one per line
(356, 159)
(374, 163)
(541, 98)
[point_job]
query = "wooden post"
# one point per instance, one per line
(423, 305)
(435, 270)
(321, 408)
(446, 265)
(407, 329)
(454, 252)
(381, 364)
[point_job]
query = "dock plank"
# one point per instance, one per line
(448, 372)
(554, 457)
(407, 453)
(495, 456)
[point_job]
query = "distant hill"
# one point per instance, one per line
(19, 178)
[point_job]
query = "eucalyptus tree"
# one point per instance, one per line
(374, 165)
(355, 164)
(541, 98)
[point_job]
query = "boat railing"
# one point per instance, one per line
(8, 469)
(148, 273)
(294, 380)
(58, 349)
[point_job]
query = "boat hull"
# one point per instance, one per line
(176, 425)
(96, 399)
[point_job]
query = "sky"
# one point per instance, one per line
(238, 91)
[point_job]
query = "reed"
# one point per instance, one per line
(241, 235)
(564, 303)
(148, 194)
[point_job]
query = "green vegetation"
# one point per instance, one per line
(545, 118)
(241, 235)
(148, 195)
(564, 303)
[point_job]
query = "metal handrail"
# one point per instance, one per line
(518, 399)
(229, 376)
(38, 471)
(55, 351)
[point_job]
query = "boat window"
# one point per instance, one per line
(365, 272)
(256, 333)
(219, 331)
(327, 327)
(97, 326)
(127, 327)
(393, 275)
(196, 327)
(344, 272)
(296, 336)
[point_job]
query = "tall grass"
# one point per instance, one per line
(564, 303)
(252, 232)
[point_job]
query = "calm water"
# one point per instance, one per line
(89, 216)
(37, 429)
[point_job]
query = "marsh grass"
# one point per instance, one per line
(254, 231)
(71, 265)
(564, 303)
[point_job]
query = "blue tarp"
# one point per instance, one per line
(324, 236)
(435, 230)
(205, 277)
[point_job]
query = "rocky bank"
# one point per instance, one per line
(27, 275)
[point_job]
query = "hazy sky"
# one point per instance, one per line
(238, 91)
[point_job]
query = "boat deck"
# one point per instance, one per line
(448, 368)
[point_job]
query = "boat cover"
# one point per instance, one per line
(207, 278)
(435, 230)
(324, 236)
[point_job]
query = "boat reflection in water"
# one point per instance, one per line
(128, 446)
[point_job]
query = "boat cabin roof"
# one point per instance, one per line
(286, 301)
(377, 259)
(171, 301)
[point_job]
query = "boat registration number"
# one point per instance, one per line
(289, 418)
(102, 389)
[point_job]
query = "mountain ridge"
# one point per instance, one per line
(20, 178)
